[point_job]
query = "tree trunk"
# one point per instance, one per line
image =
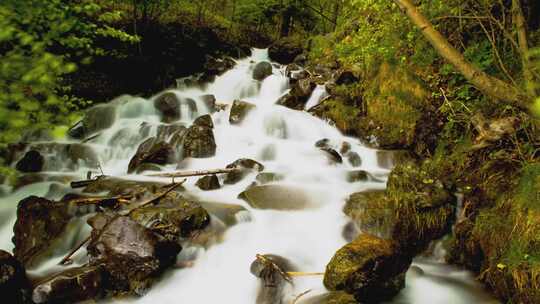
(519, 22)
(490, 86)
(285, 23)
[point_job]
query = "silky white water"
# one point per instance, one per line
(283, 140)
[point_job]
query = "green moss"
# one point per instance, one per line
(345, 117)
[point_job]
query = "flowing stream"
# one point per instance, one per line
(284, 141)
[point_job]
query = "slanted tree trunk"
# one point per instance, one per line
(490, 86)
(519, 22)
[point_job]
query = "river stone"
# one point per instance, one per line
(332, 155)
(145, 167)
(345, 148)
(168, 105)
(244, 166)
(224, 212)
(95, 119)
(39, 223)
(358, 176)
(239, 110)
(209, 101)
(354, 159)
(299, 94)
(370, 268)
(152, 150)
(199, 142)
(72, 285)
(208, 182)
(131, 255)
(32, 161)
(262, 70)
(204, 121)
(268, 177)
(276, 197)
(269, 269)
(366, 210)
(13, 281)
(333, 297)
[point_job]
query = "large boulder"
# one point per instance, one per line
(299, 94)
(208, 182)
(152, 150)
(168, 104)
(199, 142)
(239, 110)
(285, 50)
(32, 161)
(204, 121)
(39, 223)
(370, 268)
(262, 70)
(217, 66)
(72, 285)
(276, 197)
(13, 281)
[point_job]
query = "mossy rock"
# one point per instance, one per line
(239, 111)
(370, 268)
(345, 117)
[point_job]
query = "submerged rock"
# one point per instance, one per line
(354, 159)
(268, 177)
(39, 223)
(239, 110)
(271, 270)
(333, 297)
(262, 70)
(152, 150)
(227, 213)
(95, 119)
(276, 197)
(32, 161)
(199, 142)
(208, 182)
(13, 281)
(370, 268)
(72, 285)
(332, 155)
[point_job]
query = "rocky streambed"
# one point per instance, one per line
(272, 204)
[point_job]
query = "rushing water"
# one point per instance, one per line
(283, 140)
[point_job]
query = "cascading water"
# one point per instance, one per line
(283, 140)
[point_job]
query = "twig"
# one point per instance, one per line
(67, 258)
(300, 296)
(194, 173)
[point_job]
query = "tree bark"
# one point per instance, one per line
(519, 22)
(490, 86)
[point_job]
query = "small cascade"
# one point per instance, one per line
(284, 141)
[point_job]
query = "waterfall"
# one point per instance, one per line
(308, 238)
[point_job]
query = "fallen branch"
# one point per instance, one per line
(194, 173)
(67, 258)
(84, 183)
(300, 296)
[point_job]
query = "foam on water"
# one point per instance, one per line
(283, 140)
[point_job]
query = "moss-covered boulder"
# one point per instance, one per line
(153, 151)
(123, 187)
(39, 223)
(239, 110)
(199, 142)
(13, 281)
(204, 121)
(370, 268)
(208, 182)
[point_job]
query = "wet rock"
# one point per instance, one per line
(168, 105)
(262, 70)
(13, 281)
(370, 268)
(209, 101)
(81, 153)
(345, 148)
(333, 297)
(132, 255)
(350, 232)
(145, 167)
(152, 150)
(271, 270)
(297, 98)
(354, 159)
(285, 50)
(39, 223)
(218, 66)
(199, 142)
(293, 67)
(208, 182)
(125, 137)
(323, 143)
(333, 155)
(368, 212)
(239, 110)
(345, 77)
(268, 177)
(388, 159)
(276, 197)
(121, 187)
(300, 59)
(177, 139)
(227, 213)
(32, 161)
(358, 176)
(95, 119)
(245, 166)
(204, 121)
(165, 132)
(72, 285)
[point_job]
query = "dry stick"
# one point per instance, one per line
(284, 274)
(193, 173)
(300, 296)
(150, 201)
